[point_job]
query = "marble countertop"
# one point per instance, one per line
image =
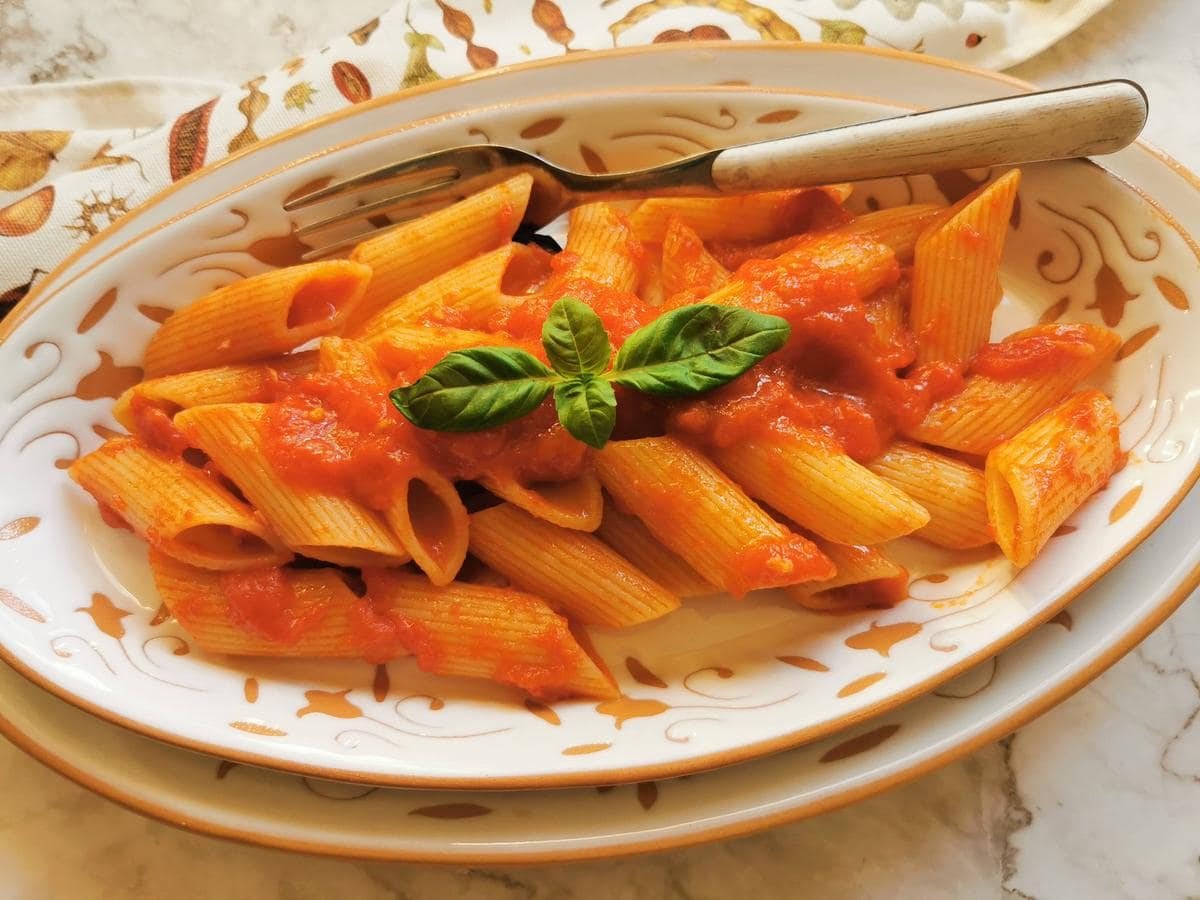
(1098, 798)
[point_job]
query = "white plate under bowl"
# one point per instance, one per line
(730, 681)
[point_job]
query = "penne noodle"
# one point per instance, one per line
(990, 409)
(629, 537)
(317, 615)
(1040, 476)
(687, 266)
(252, 383)
(877, 580)
(897, 228)
(422, 507)
(956, 271)
(951, 491)
(576, 572)
(694, 509)
(864, 265)
(810, 481)
(177, 508)
(420, 250)
(577, 504)
(607, 250)
(409, 351)
(321, 525)
(748, 217)
(258, 317)
(486, 632)
(465, 296)
(886, 311)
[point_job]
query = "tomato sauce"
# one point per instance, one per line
(262, 602)
(1039, 351)
(155, 428)
(342, 435)
(621, 312)
(375, 632)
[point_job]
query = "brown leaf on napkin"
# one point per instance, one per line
(25, 156)
(839, 31)
(188, 142)
(253, 105)
(699, 33)
(28, 214)
(766, 22)
(361, 35)
(462, 26)
(351, 82)
(548, 17)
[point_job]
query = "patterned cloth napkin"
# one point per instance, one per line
(75, 157)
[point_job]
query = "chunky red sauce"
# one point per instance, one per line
(621, 312)
(1034, 353)
(262, 602)
(781, 562)
(340, 434)
(155, 427)
(837, 375)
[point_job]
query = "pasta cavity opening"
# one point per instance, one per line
(433, 521)
(222, 543)
(1003, 511)
(320, 299)
(526, 271)
(576, 504)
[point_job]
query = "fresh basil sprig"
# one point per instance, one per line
(686, 351)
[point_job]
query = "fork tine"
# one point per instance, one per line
(381, 206)
(408, 212)
(401, 171)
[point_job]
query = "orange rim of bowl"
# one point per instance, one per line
(627, 774)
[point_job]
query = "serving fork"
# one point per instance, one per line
(1085, 120)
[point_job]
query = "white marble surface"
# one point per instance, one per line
(1098, 798)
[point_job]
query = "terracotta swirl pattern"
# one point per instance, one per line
(718, 677)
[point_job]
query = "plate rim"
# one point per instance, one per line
(693, 764)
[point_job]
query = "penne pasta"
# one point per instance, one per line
(629, 537)
(992, 408)
(605, 246)
(687, 266)
(485, 632)
(694, 509)
(897, 228)
(577, 504)
(956, 270)
(875, 579)
(177, 508)
(749, 217)
(251, 383)
(422, 508)
(863, 265)
(321, 525)
(403, 258)
(258, 317)
(951, 491)
(465, 296)
(409, 351)
(271, 612)
(1040, 476)
(809, 480)
(574, 571)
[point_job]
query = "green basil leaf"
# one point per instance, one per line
(696, 348)
(575, 340)
(587, 407)
(477, 388)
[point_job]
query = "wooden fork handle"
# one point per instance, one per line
(1088, 120)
